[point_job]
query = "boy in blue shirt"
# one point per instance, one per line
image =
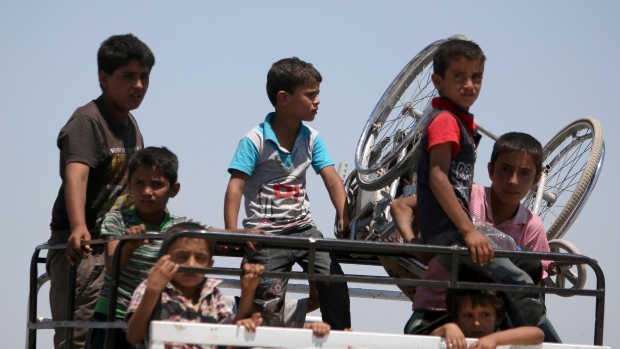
(445, 173)
(269, 171)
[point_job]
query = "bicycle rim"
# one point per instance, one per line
(573, 159)
(390, 127)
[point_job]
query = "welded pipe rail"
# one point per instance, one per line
(313, 246)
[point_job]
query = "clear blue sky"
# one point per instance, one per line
(549, 63)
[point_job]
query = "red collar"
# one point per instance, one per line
(466, 118)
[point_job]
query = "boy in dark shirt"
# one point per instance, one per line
(95, 145)
(445, 173)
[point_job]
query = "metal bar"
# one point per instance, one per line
(48, 324)
(345, 247)
(486, 132)
(540, 189)
(162, 332)
(112, 297)
(599, 317)
(353, 291)
(31, 337)
(71, 300)
(311, 258)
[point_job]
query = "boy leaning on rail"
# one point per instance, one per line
(95, 145)
(153, 181)
(478, 314)
(189, 297)
(515, 167)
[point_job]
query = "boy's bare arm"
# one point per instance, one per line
(526, 335)
(402, 211)
(232, 200)
(76, 181)
(249, 282)
(455, 339)
(159, 276)
(480, 248)
(338, 196)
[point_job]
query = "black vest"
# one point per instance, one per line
(432, 218)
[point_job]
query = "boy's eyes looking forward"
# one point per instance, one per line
(523, 172)
(460, 76)
(182, 257)
(155, 184)
(130, 77)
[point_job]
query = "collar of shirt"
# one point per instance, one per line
(302, 133)
(148, 227)
(466, 118)
(519, 218)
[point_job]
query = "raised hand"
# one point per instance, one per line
(161, 274)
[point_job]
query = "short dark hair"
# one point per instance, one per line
(160, 158)
(518, 142)
(455, 297)
(288, 74)
(118, 50)
(453, 50)
(191, 226)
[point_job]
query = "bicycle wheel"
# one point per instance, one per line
(561, 274)
(573, 160)
(386, 147)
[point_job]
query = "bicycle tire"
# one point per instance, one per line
(575, 274)
(379, 157)
(564, 158)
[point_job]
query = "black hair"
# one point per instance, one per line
(455, 297)
(118, 50)
(453, 50)
(518, 142)
(288, 74)
(190, 226)
(160, 158)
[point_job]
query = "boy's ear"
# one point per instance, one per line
(103, 79)
(490, 169)
(437, 81)
(210, 263)
(174, 189)
(498, 319)
(282, 97)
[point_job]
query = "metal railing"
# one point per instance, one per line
(313, 246)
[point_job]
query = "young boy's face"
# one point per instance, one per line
(512, 176)
(478, 321)
(189, 252)
(461, 82)
(126, 87)
(150, 190)
(303, 103)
